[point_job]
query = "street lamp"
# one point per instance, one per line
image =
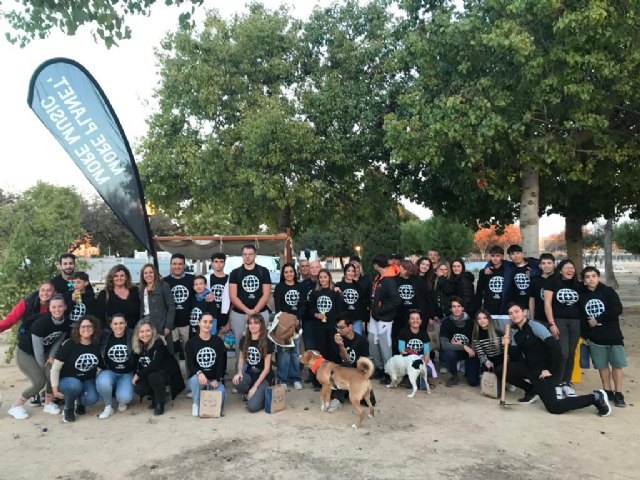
(358, 248)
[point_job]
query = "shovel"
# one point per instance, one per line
(503, 387)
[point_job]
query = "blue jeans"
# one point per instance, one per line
(108, 380)
(471, 365)
(357, 326)
(82, 390)
(288, 363)
(195, 388)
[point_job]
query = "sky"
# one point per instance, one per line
(127, 74)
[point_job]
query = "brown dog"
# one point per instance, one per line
(334, 377)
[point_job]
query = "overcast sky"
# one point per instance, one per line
(128, 75)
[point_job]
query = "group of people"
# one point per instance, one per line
(129, 339)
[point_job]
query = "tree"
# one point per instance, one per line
(450, 238)
(516, 91)
(484, 238)
(44, 223)
(107, 17)
(627, 236)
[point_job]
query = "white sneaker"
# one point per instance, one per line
(511, 388)
(194, 410)
(106, 413)
(234, 390)
(568, 391)
(18, 412)
(334, 406)
(122, 407)
(297, 385)
(51, 408)
(189, 394)
(444, 369)
(559, 392)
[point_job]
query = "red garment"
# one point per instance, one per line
(16, 314)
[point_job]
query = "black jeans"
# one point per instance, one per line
(153, 384)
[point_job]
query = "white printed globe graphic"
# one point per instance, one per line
(180, 294)
(350, 296)
(218, 290)
(51, 338)
(86, 362)
(250, 283)
(567, 296)
(206, 357)
(144, 361)
(594, 308)
(416, 345)
(253, 356)
(496, 284)
(194, 318)
(79, 309)
(406, 292)
(522, 281)
(324, 304)
(352, 356)
(292, 297)
(118, 354)
(461, 338)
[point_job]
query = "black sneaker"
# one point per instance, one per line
(452, 381)
(80, 409)
(35, 401)
(385, 380)
(601, 402)
(68, 416)
(610, 395)
(529, 397)
(618, 399)
(378, 373)
(159, 409)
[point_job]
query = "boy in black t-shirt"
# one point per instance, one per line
(219, 285)
(181, 284)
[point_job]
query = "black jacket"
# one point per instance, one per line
(385, 299)
(463, 288)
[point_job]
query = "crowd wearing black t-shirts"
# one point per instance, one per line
(129, 339)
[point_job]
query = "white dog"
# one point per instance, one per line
(411, 365)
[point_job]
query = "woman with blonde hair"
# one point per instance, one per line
(156, 300)
(254, 364)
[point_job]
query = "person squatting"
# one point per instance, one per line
(76, 348)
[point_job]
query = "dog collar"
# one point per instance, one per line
(317, 364)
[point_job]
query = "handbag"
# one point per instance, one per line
(274, 400)
(489, 384)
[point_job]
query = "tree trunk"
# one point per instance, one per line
(284, 221)
(573, 238)
(610, 278)
(529, 207)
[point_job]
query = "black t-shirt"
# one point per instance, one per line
(414, 341)
(183, 297)
(491, 288)
(356, 348)
(250, 284)
(60, 285)
(109, 304)
(80, 361)
(206, 356)
(86, 306)
(536, 291)
(290, 298)
(216, 284)
(325, 301)
(520, 285)
(254, 360)
(450, 331)
(24, 332)
(353, 300)
(565, 298)
(200, 307)
(44, 327)
(117, 353)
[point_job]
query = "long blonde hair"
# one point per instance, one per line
(136, 345)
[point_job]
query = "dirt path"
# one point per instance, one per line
(452, 433)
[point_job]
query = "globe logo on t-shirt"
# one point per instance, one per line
(542, 294)
(194, 318)
(51, 338)
(496, 284)
(567, 296)
(406, 292)
(522, 281)
(206, 357)
(144, 361)
(292, 297)
(79, 309)
(250, 283)
(350, 296)
(462, 338)
(180, 294)
(86, 362)
(324, 304)
(416, 345)
(253, 356)
(352, 355)
(217, 290)
(594, 308)
(118, 353)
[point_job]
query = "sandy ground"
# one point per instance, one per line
(453, 433)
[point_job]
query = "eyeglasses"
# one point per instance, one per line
(340, 327)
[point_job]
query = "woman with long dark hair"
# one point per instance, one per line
(254, 363)
(463, 283)
(352, 297)
(325, 304)
(119, 296)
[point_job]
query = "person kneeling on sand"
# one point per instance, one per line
(537, 373)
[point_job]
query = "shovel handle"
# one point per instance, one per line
(503, 387)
